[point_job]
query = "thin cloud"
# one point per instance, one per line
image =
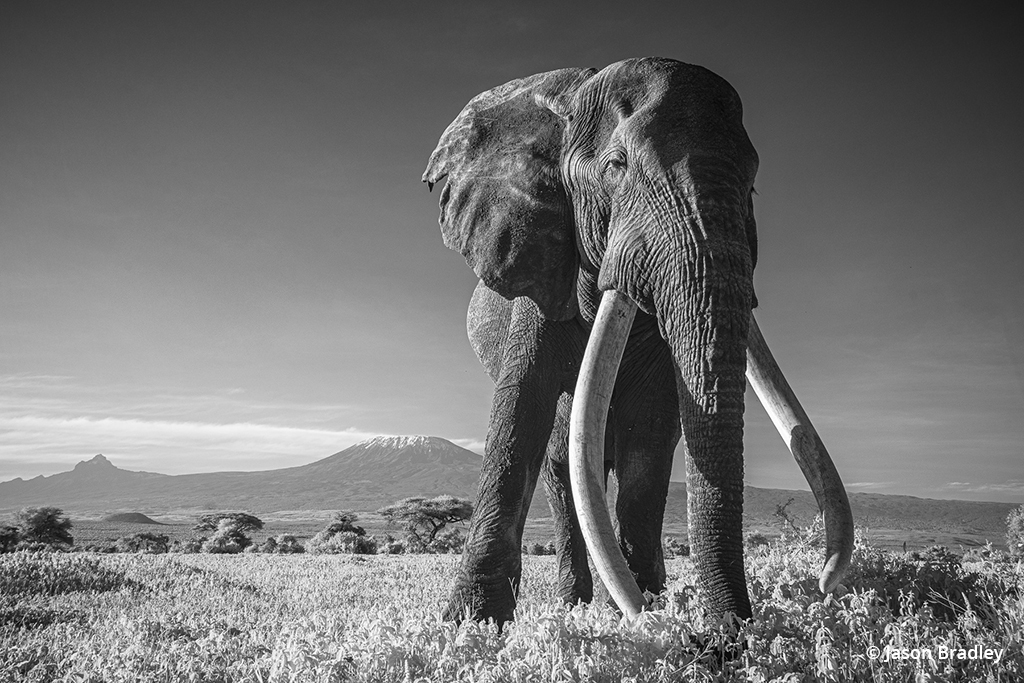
(190, 446)
(1009, 487)
(475, 445)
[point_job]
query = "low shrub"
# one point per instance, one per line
(229, 539)
(756, 540)
(26, 574)
(985, 553)
(673, 548)
(282, 544)
(447, 541)
(389, 545)
(345, 542)
(935, 578)
(539, 548)
(9, 537)
(143, 542)
(1015, 532)
(189, 545)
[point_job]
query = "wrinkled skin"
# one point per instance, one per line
(637, 178)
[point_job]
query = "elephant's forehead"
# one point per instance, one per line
(649, 81)
(673, 110)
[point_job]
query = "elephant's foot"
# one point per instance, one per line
(575, 584)
(573, 594)
(480, 602)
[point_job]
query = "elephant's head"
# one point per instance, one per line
(637, 178)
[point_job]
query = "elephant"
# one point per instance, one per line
(609, 218)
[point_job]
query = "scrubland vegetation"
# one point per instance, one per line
(269, 617)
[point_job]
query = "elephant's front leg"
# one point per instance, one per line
(575, 582)
(645, 415)
(537, 356)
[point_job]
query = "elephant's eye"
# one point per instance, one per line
(615, 161)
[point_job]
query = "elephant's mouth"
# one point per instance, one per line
(586, 442)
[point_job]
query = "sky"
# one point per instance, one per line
(216, 252)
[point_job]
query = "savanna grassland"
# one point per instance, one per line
(174, 617)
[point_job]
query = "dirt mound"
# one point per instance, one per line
(130, 518)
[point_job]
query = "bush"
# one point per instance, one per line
(37, 547)
(985, 553)
(57, 574)
(935, 578)
(99, 548)
(673, 548)
(43, 526)
(229, 539)
(9, 537)
(1015, 532)
(189, 545)
(447, 541)
(229, 529)
(539, 548)
(342, 536)
(144, 542)
(757, 540)
(345, 542)
(282, 544)
(389, 545)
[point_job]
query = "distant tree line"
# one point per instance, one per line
(423, 525)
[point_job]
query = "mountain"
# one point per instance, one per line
(384, 469)
(93, 478)
(366, 476)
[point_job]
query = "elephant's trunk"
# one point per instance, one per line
(704, 314)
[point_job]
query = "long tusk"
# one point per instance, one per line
(796, 429)
(586, 447)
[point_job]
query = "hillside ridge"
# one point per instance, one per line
(383, 469)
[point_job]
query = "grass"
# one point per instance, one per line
(83, 617)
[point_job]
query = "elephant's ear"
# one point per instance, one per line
(504, 207)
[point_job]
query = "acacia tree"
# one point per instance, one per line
(423, 518)
(342, 535)
(229, 531)
(242, 521)
(344, 520)
(47, 525)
